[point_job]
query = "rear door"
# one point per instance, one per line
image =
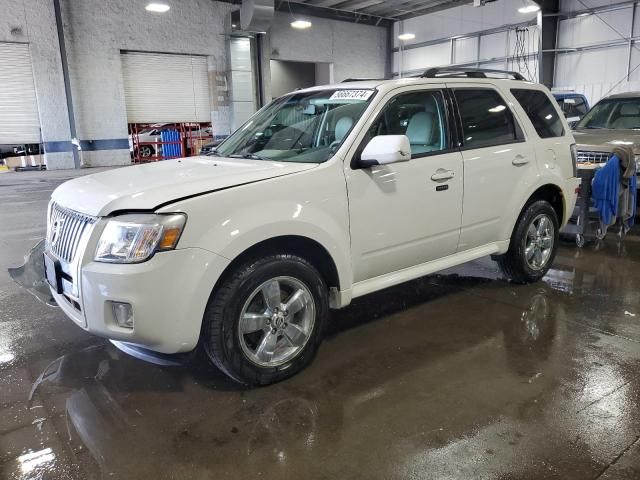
(499, 164)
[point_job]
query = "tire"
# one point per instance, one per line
(146, 151)
(259, 357)
(517, 264)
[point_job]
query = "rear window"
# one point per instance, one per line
(541, 112)
(486, 119)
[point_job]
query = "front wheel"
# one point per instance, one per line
(533, 244)
(265, 322)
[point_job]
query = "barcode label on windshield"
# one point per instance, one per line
(351, 95)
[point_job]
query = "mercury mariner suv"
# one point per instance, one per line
(324, 195)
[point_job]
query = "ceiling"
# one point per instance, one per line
(379, 9)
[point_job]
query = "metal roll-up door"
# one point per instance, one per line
(19, 120)
(163, 88)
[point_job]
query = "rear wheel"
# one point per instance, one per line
(533, 244)
(146, 151)
(265, 322)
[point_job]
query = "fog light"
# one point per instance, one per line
(123, 313)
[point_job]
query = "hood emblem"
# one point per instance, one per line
(55, 232)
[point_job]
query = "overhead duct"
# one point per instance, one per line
(256, 15)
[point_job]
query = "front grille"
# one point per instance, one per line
(65, 231)
(585, 156)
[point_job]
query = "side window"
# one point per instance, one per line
(418, 115)
(486, 119)
(540, 110)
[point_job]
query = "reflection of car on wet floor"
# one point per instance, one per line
(114, 412)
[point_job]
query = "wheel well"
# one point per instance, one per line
(553, 195)
(303, 247)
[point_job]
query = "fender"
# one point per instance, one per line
(315, 208)
(542, 180)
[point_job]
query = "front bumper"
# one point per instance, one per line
(168, 293)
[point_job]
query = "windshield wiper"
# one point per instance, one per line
(249, 156)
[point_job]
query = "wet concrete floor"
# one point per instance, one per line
(459, 375)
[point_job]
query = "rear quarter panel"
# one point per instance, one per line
(553, 155)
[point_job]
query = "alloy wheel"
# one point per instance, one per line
(276, 321)
(539, 242)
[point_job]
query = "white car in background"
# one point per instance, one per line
(144, 136)
(327, 194)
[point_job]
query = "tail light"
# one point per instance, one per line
(574, 158)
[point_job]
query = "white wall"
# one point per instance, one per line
(288, 76)
(33, 22)
(456, 21)
(97, 31)
(354, 50)
(602, 71)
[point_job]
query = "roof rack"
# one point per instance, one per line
(467, 72)
(349, 80)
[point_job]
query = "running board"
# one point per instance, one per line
(411, 273)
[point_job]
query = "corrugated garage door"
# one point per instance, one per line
(165, 88)
(19, 121)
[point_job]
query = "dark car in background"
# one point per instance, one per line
(574, 105)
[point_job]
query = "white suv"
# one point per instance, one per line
(326, 194)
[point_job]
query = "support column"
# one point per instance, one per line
(548, 27)
(67, 85)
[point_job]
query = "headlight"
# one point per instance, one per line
(135, 238)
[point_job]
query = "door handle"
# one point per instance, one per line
(442, 174)
(520, 160)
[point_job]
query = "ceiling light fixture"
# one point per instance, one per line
(529, 6)
(406, 36)
(157, 7)
(301, 24)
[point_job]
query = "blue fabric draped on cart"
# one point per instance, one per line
(614, 191)
(604, 190)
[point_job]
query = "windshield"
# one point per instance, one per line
(301, 127)
(617, 114)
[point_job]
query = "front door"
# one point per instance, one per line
(407, 213)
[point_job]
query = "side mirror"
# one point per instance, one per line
(385, 149)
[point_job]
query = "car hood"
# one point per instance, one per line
(145, 187)
(604, 140)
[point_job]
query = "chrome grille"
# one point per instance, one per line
(585, 156)
(65, 230)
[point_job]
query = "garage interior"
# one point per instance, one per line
(458, 375)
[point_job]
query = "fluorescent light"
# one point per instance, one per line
(301, 24)
(498, 108)
(529, 6)
(157, 7)
(406, 36)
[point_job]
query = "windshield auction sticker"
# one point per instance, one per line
(351, 95)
